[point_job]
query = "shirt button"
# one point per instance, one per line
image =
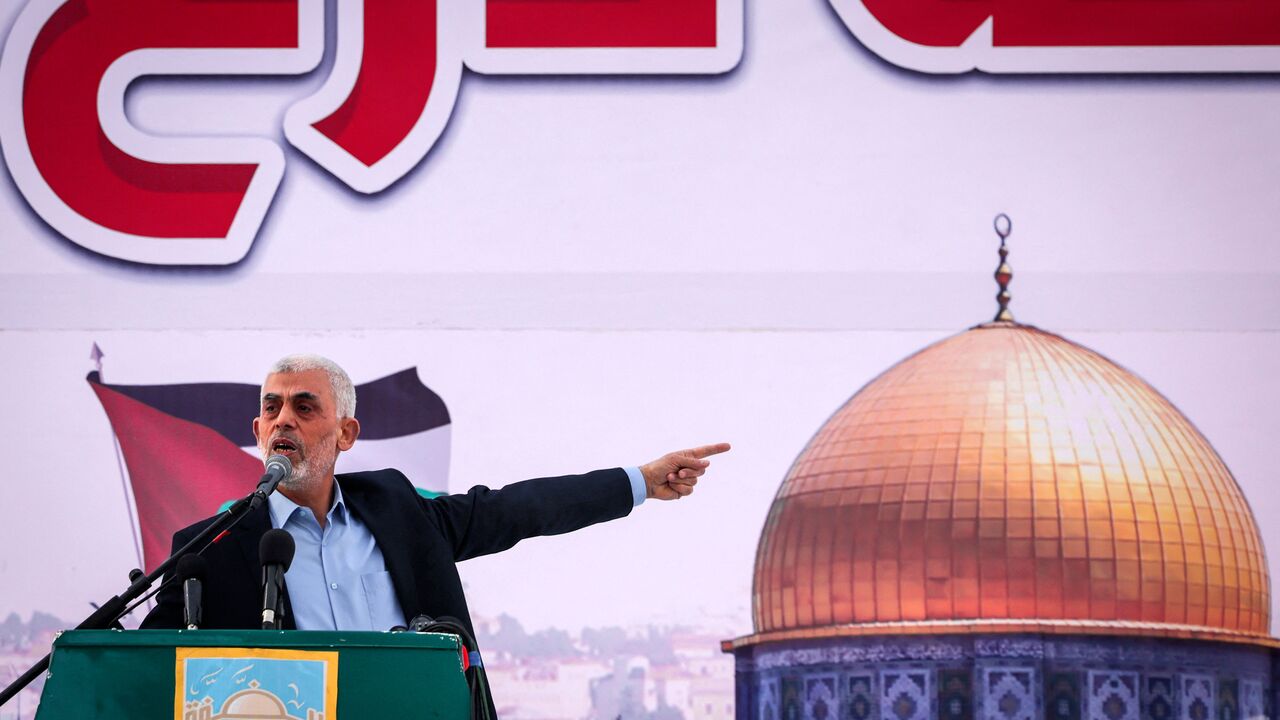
(333, 586)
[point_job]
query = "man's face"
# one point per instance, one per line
(299, 419)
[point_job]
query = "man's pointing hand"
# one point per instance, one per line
(673, 475)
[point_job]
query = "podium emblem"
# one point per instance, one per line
(255, 684)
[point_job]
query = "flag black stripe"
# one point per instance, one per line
(392, 406)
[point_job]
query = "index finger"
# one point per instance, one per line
(708, 450)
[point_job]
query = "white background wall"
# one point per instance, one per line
(593, 271)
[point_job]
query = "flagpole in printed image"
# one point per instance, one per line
(187, 449)
(96, 355)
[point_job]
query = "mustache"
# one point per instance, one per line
(294, 440)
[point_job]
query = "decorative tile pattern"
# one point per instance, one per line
(1010, 647)
(1062, 696)
(1114, 651)
(769, 701)
(905, 694)
(852, 654)
(1113, 695)
(1159, 699)
(1103, 651)
(1008, 693)
(955, 695)
(820, 702)
(792, 698)
(1197, 698)
(861, 698)
(1252, 704)
(1228, 699)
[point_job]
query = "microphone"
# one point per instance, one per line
(278, 468)
(192, 570)
(276, 552)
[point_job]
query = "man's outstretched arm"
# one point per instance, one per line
(484, 521)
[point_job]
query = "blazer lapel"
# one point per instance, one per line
(248, 535)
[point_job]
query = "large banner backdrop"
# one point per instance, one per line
(547, 236)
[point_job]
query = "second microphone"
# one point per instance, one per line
(276, 552)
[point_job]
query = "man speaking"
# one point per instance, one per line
(371, 553)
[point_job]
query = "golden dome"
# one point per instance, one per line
(253, 704)
(1011, 477)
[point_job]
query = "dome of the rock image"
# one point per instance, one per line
(1007, 525)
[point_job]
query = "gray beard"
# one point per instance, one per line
(303, 476)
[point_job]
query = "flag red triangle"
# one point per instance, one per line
(180, 471)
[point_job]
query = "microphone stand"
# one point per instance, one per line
(111, 611)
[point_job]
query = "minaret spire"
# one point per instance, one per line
(1004, 273)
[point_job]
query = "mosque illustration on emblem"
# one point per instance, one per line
(256, 684)
(253, 703)
(1007, 525)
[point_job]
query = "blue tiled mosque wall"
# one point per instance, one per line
(1005, 677)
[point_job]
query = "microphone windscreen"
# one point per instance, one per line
(276, 548)
(281, 462)
(192, 567)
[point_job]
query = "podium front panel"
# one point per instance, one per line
(232, 674)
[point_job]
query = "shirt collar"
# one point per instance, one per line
(282, 508)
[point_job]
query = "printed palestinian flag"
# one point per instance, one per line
(189, 448)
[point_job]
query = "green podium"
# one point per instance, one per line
(258, 674)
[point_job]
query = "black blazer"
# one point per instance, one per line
(420, 539)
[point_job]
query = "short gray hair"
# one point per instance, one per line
(344, 393)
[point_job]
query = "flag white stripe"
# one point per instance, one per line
(422, 456)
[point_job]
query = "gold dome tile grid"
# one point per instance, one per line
(1007, 473)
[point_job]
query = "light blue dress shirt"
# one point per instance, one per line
(638, 489)
(338, 579)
